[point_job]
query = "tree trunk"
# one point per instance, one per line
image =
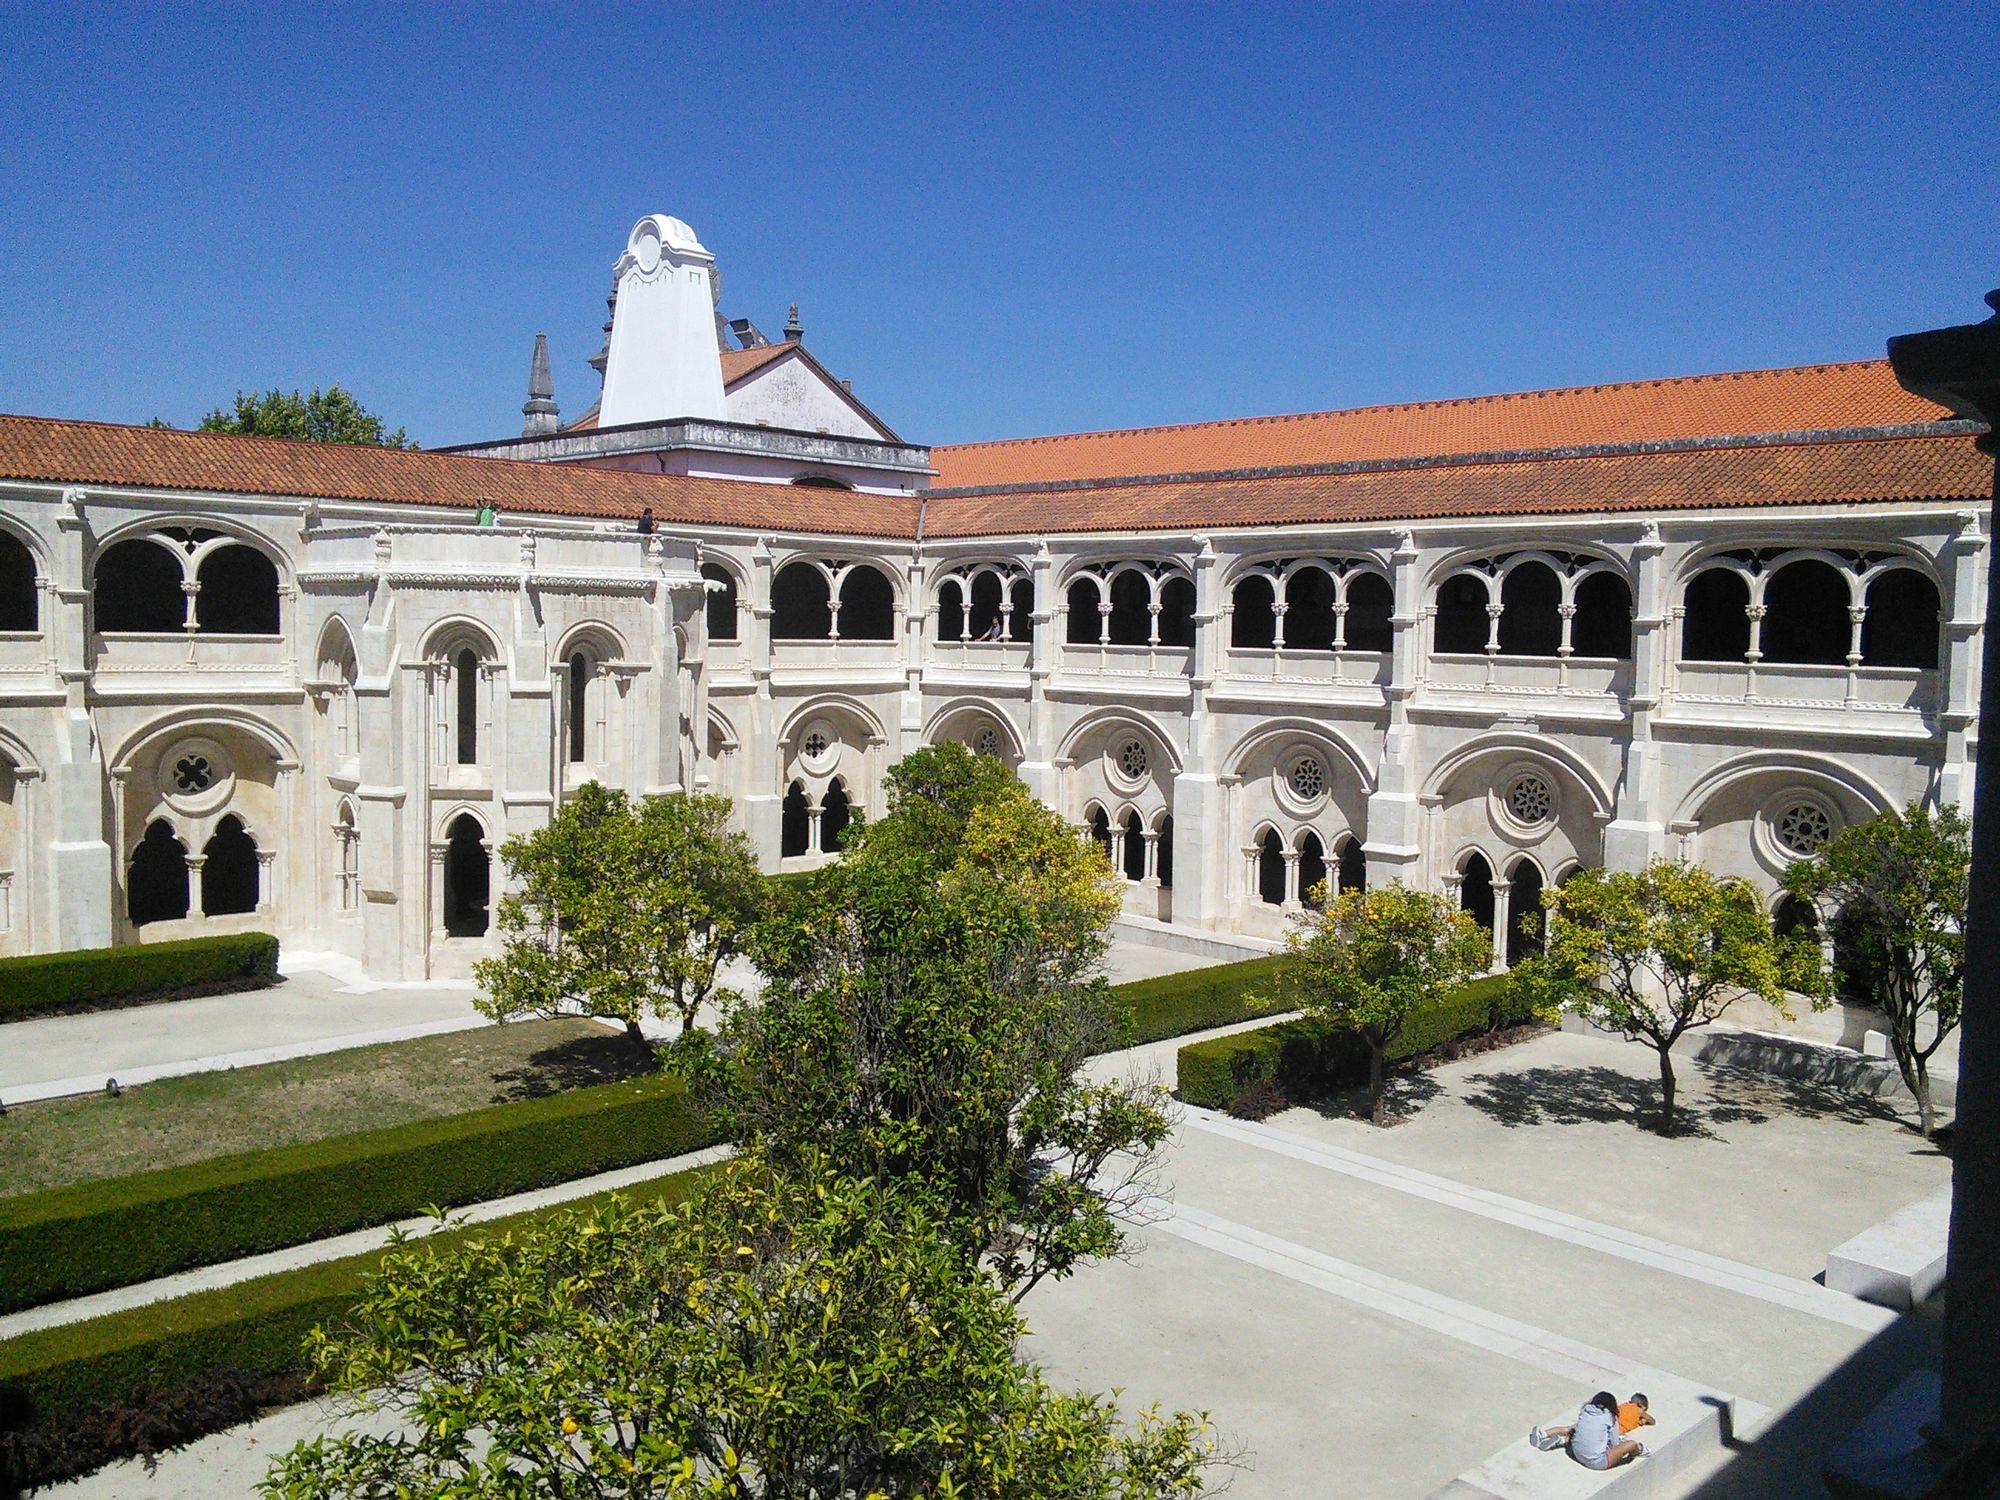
(1666, 1091)
(1920, 1085)
(638, 1039)
(1375, 1051)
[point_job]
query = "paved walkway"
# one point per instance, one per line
(1369, 1312)
(322, 1003)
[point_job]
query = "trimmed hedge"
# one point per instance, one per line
(80, 1395)
(40, 984)
(70, 1241)
(1307, 1061)
(1198, 1000)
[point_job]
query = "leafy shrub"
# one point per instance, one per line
(1303, 1061)
(40, 984)
(80, 1395)
(1198, 1000)
(1258, 1099)
(83, 1238)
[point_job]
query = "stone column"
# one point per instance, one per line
(1391, 845)
(1199, 819)
(1503, 911)
(1963, 567)
(1960, 368)
(1044, 655)
(1635, 834)
(762, 795)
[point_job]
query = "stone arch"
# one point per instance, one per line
(1524, 908)
(1133, 827)
(205, 718)
(1253, 616)
(795, 822)
(1097, 824)
(20, 583)
(238, 595)
(1323, 734)
(835, 813)
(1163, 843)
(1109, 719)
(1531, 600)
(156, 876)
(583, 664)
(1370, 600)
(1350, 863)
(1314, 871)
(1799, 765)
(1475, 886)
(1460, 623)
(982, 711)
(719, 603)
(867, 598)
(801, 602)
(229, 879)
(1807, 599)
(1133, 597)
(1601, 626)
(136, 587)
(833, 704)
(1269, 866)
(1528, 746)
(1715, 614)
(468, 875)
(1903, 619)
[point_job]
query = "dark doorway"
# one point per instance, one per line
(156, 888)
(795, 823)
(1901, 627)
(1370, 601)
(1252, 623)
(1805, 614)
(1131, 608)
(137, 587)
(721, 602)
(1603, 623)
(834, 814)
(1475, 890)
(1163, 862)
(239, 592)
(867, 605)
(1085, 617)
(1715, 623)
(800, 605)
(1461, 624)
(1100, 832)
(1531, 611)
(19, 607)
(1353, 866)
(1271, 869)
(229, 870)
(1135, 847)
(468, 871)
(1312, 871)
(1524, 913)
(1309, 611)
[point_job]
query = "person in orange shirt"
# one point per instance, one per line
(1634, 1414)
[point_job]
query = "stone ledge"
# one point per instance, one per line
(1898, 1262)
(1692, 1423)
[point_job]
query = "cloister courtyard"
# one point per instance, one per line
(1365, 1311)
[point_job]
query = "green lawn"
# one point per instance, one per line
(178, 1120)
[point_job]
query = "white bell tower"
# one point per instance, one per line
(662, 360)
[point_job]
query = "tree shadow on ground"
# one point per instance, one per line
(1403, 1094)
(576, 1063)
(1599, 1095)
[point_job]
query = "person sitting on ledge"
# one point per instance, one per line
(1592, 1439)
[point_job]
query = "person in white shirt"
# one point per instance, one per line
(1592, 1439)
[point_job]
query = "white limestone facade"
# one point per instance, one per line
(249, 684)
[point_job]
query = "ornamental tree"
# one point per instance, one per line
(928, 1004)
(621, 910)
(1899, 884)
(1656, 953)
(1369, 960)
(329, 416)
(768, 1339)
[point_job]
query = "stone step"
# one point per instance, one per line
(1898, 1262)
(1692, 1423)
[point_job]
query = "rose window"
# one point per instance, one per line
(1132, 759)
(1530, 799)
(1803, 828)
(987, 742)
(815, 744)
(193, 773)
(1308, 777)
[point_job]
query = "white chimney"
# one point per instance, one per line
(662, 361)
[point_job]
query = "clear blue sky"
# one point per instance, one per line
(1022, 220)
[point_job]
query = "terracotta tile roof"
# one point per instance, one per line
(1926, 468)
(736, 363)
(1810, 398)
(100, 453)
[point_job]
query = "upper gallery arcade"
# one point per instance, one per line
(1471, 645)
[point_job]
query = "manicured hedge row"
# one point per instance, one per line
(1175, 1004)
(78, 1396)
(70, 1241)
(1307, 1062)
(104, 978)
